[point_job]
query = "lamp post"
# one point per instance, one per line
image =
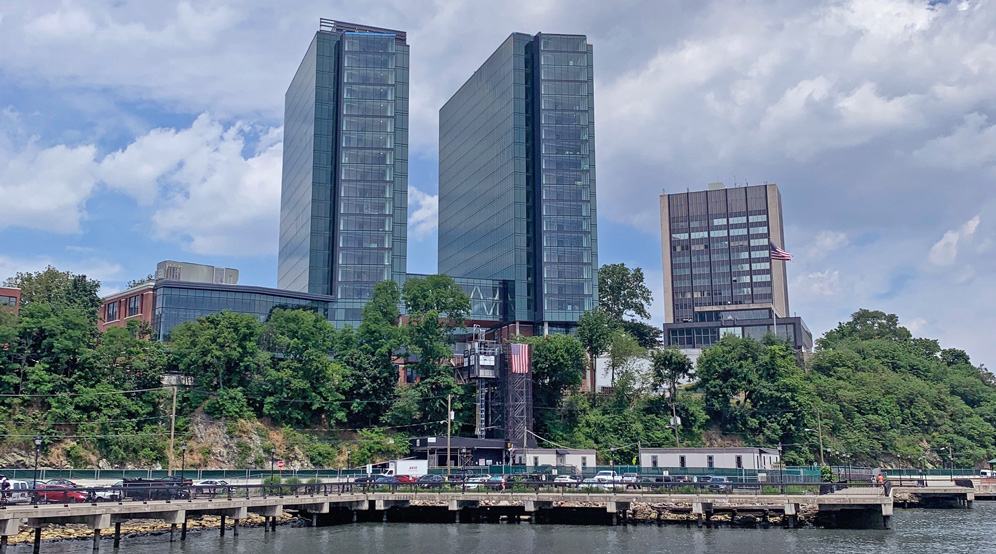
(348, 464)
(38, 443)
(183, 460)
(273, 459)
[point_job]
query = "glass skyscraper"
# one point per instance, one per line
(517, 177)
(344, 195)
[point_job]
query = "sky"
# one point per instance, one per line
(134, 131)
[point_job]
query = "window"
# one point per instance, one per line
(8, 301)
(710, 462)
(681, 461)
(740, 462)
(653, 461)
(535, 460)
(584, 461)
(112, 311)
(134, 305)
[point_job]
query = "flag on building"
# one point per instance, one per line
(778, 253)
(520, 358)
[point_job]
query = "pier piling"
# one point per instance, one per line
(117, 534)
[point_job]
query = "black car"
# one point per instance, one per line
(431, 481)
(167, 488)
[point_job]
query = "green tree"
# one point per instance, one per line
(60, 289)
(595, 329)
(302, 386)
(135, 282)
(623, 350)
(622, 292)
(866, 325)
(368, 354)
(436, 306)
(648, 336)
(557, 363)
(670, 366)
(219, 351)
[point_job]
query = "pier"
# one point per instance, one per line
(867, 507)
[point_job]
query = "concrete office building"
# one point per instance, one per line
(719, 275)
(517, 178)
(344, 192)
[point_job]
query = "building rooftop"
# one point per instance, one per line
(333, 26)
(713, 450)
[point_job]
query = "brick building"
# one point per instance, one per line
(10, 299)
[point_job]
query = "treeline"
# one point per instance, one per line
(872, 394)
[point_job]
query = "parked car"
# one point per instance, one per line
(60, 493)
(594, 483)
(407, 479)
(476, 482)
(720, 484)
(606, 477)
(364, 480)
(386, 480)
(431, 481)
(113, 493)
(167, 488)
(565, 480)
(211, 486)
(17, 493)
(63, 482)
(988, 473)
(631, 480)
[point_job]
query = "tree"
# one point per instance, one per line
(595, 328)
(648, 336)
(435, 306)
(368, 355)
(623, 349)
(866, 325)
(303, 386)
(669, 367)
(622, 292)
(557, 363)
(135, 282)
(62, 289)
(219, 351)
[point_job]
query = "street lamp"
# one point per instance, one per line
(183, 460)
(273, 459)
(38, 443)
(348, 464)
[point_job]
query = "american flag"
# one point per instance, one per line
(778, 253)
(520, 358)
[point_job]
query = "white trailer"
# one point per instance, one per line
(415, 468)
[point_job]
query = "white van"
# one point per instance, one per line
(985, 473)
(18, 493)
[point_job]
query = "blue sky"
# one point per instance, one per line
(133, 132)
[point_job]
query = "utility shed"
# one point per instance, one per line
(709, 458)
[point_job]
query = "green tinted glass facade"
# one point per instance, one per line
(517, 177)
(345, 180)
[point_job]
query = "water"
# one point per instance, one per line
(915, 531)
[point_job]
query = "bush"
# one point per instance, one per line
(228, 404)
(320, 454)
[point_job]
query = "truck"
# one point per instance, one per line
(607, 477)
(412, 469)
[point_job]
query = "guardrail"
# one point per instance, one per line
(144, 491)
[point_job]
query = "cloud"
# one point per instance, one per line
(917, 326)
(820, 283)
(945, 250)
(94, 268)
(423, 210)
(972, 145)
(827, 242)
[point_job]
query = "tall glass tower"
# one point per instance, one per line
(344, 194)
(517, 177)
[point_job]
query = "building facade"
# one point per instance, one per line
(344, 192)
(578, 458)
(693, 459)
(136, 303)
(517, 177)
(719, 275)
(10, 299)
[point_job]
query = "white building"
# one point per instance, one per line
(709, 458)
(580, 458)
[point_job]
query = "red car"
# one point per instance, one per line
(407, 479)
(60, 493)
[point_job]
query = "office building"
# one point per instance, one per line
(719, 275)
(517, 178)
(344, 193)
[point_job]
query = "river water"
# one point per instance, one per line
(915, 531)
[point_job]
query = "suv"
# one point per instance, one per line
(631, 480)
(720, 484)
(606, 477)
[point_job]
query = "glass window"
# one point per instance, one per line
(681, 461)
(653, 460)
(740, 462)
(112, 311)
(134, 305)
(710, 462)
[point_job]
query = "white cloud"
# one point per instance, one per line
(827, 242)
(945, 250)
(423, 211)
(917, 326)
(972, 145)
(819, 283)
(94, 268)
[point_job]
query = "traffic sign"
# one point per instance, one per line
(280, 464)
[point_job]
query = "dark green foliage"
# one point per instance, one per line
(621, 292)
(595, 330)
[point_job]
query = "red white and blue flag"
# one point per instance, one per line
(520, 358)
(778, 253)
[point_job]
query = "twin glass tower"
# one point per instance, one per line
(516, 175)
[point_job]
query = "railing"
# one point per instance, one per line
(187, 492)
